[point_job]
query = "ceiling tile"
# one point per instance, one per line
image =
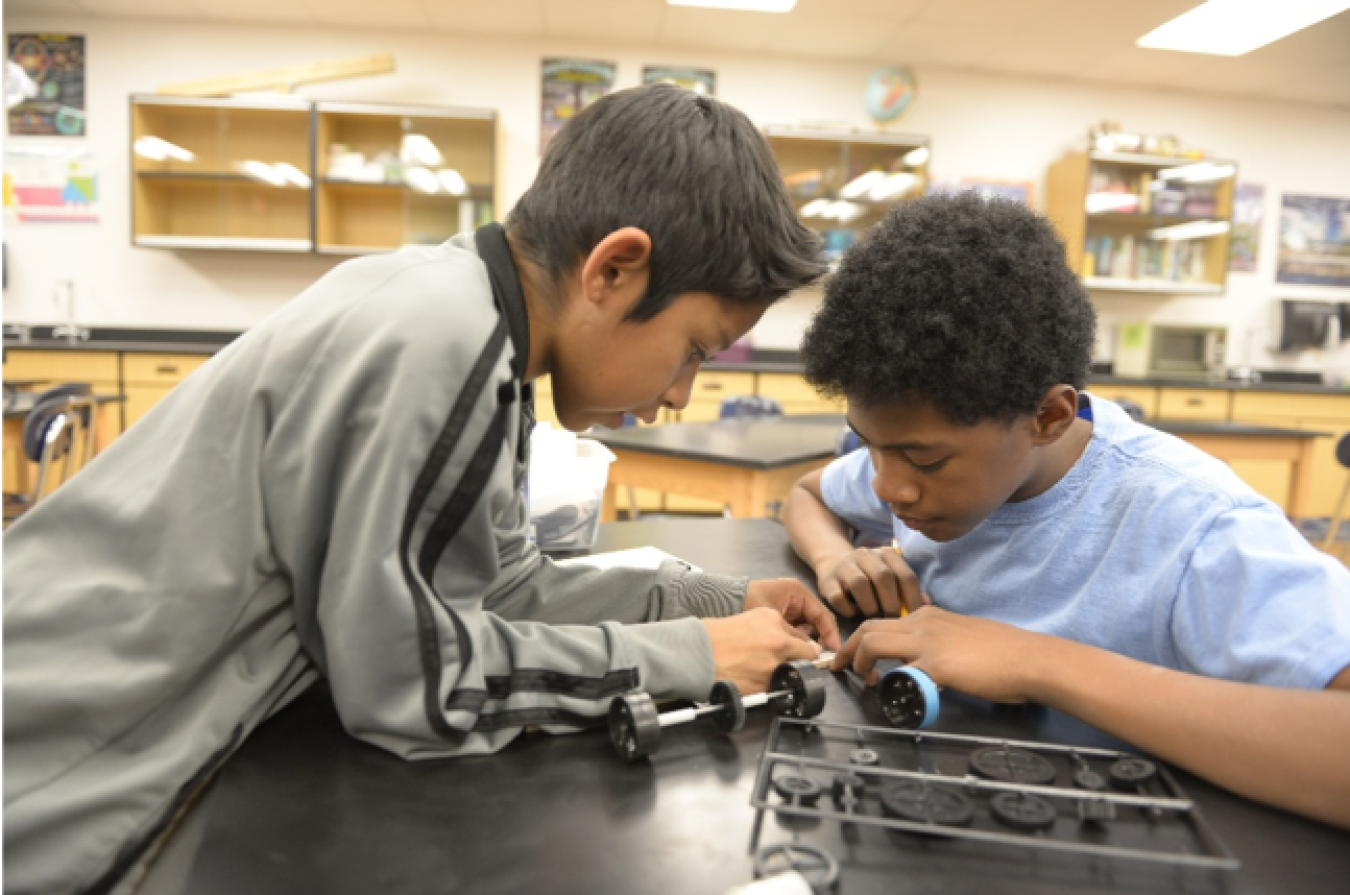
(834, 36)
(1137, 66)
(620, 21)
(142, 9)
(514, 17)
(940, 45)
(898, 10)
(1047, 56)
(381, 14)
(683, 26)
(49, 7)
(266, 11)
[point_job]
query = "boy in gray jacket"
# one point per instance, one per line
(338, 494)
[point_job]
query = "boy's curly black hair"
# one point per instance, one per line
(958, 301)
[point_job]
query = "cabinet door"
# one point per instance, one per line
(221, 174)
(795, 394)
(1145, 396)
(159, 369)
(140, 399)
(1309, 413)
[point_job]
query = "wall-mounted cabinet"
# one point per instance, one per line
(295, 176)
(1144, 223)
(401, 175)
(842, 182)
(197, 174)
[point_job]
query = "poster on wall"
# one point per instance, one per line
(986, 187)
(1314, 241)
(53, 186)
(44, 85)
(699, 80)
(1249, 209)
(568, 86)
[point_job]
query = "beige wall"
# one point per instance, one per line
(1009, 127)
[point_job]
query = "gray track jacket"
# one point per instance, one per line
(337, 493)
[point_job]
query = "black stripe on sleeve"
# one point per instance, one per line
(427, 641)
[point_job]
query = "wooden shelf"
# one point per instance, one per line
(188, 191)
(1119, 284)
(255, 244)
(818, 163)
(1113, 250)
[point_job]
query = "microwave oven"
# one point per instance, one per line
(1147, 350)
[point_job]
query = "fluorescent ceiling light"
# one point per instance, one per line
(747, 5)
(1235, 27)
(1200, 172)
(1193, 230)
(861, 184)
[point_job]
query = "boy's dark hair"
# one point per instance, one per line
(690, 171)
(964, 303)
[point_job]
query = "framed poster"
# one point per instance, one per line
(1249, 209)
(987, 187)
(568, 86)
(53, 92)
(56, 186)
(699, 80)
(1314, 241)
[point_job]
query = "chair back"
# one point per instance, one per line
(749, 406)
(1343, 450)
(59, 430)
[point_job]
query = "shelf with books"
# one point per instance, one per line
(1144, 223)
(843, 181)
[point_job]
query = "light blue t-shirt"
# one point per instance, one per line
(1148, 547)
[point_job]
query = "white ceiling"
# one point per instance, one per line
(1088, 40)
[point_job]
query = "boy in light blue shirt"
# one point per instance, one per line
(1048, 547)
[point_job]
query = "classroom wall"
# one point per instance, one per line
(980, 124)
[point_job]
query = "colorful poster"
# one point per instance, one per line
(1314, 241)
(987, 187)
(1249, 209)
(699, 80)
(570, 85)
(51, 186)
(46, 75)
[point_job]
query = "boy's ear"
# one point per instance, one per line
(1055, 414)
(618, 265)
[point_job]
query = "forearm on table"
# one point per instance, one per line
(816, 534)
(1281, 746)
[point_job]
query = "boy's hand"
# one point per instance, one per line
(984, 658)
(875, 581)
(796, 604)
(748, 647)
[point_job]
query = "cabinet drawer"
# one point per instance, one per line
(1277, 404)
(1145, 397)
(160, 369)
(787, 387)
(61, 366)
(719, 385)
(1193, 404)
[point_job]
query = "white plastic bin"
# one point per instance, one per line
(566, 487)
